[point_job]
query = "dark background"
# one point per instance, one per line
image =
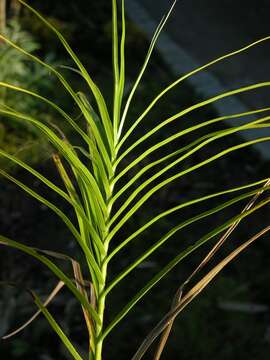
(207, 329)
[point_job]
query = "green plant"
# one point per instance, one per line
(103, 200)
(17, 70)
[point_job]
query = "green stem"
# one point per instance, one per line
(101, 294)
(100, 310)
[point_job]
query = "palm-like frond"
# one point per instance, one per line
(101, 193)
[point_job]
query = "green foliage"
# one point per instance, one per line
(104, 196)
(16, 70)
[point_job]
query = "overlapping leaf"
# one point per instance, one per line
(90, 173)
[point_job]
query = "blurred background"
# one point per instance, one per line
(231, 319)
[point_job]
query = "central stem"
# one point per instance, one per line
(101, 298)
(100, 310)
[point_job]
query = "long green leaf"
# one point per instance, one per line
(52, 295)
(187, 111)
(179, 174)
(157, 278)
(146, 61)
(95, 90)
(206, 259)
(96, 159)
(85, 224)
(50, 103)
(65, 149)
(184, 77)
(119, 69)
(63, 217)
(43, 259)
(125, 242)
(181, 133)
(166, 237)
(115, 49)
(75, 97)
(60, 192)
(122, 55)
(194, 292)
(57, 328)
(200, 141)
